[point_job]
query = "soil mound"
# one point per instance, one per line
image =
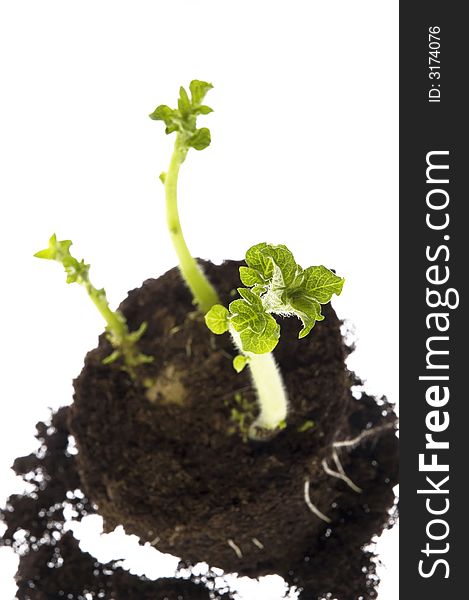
(171, 462)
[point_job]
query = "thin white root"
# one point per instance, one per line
(364, 434)
(236, 549)
(340, 469)
(155, 541)
(311, 506)
(340, 474)
(257, 543)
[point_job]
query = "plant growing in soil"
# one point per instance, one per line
(167, 429)
(275, 283)
(122, 340)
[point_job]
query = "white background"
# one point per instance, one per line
(304, 153)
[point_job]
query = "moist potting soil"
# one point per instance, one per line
(167, 457)
(170, 460)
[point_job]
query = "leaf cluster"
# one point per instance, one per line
(183, 119)
(77, 271)
(275, 285)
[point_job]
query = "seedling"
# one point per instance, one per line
(275, 283)
(183, 121)
(122, 340)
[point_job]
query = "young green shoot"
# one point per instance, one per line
(183, 121)
(122, 340)
(275, 285)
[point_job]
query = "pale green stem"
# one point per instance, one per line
(265, 374)
(114, 320)
(203, 292)
(271, 393)
(122, 341)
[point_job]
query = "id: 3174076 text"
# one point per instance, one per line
(434, 72)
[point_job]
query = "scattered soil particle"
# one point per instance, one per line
(171, 464)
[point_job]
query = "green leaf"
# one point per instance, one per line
(260, 344)
(250, 277)
(56, 250)
(259, 289)
(198, 91)
(251, 298)
(201, 139)
(217, 319)
(284, 267)
(203, 110)
(163, 113)
(239, 362)
(321, 284)
(50, 252)
(47, 253)
(275, 263)
(257, 261)
(184, 104)
(245, 316)
(172, 127)
(309, 311)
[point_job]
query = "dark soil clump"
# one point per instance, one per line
(171, 462)
(52, 566)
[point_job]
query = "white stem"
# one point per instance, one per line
(271, 393)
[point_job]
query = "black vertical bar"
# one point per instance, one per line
(434, 71)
